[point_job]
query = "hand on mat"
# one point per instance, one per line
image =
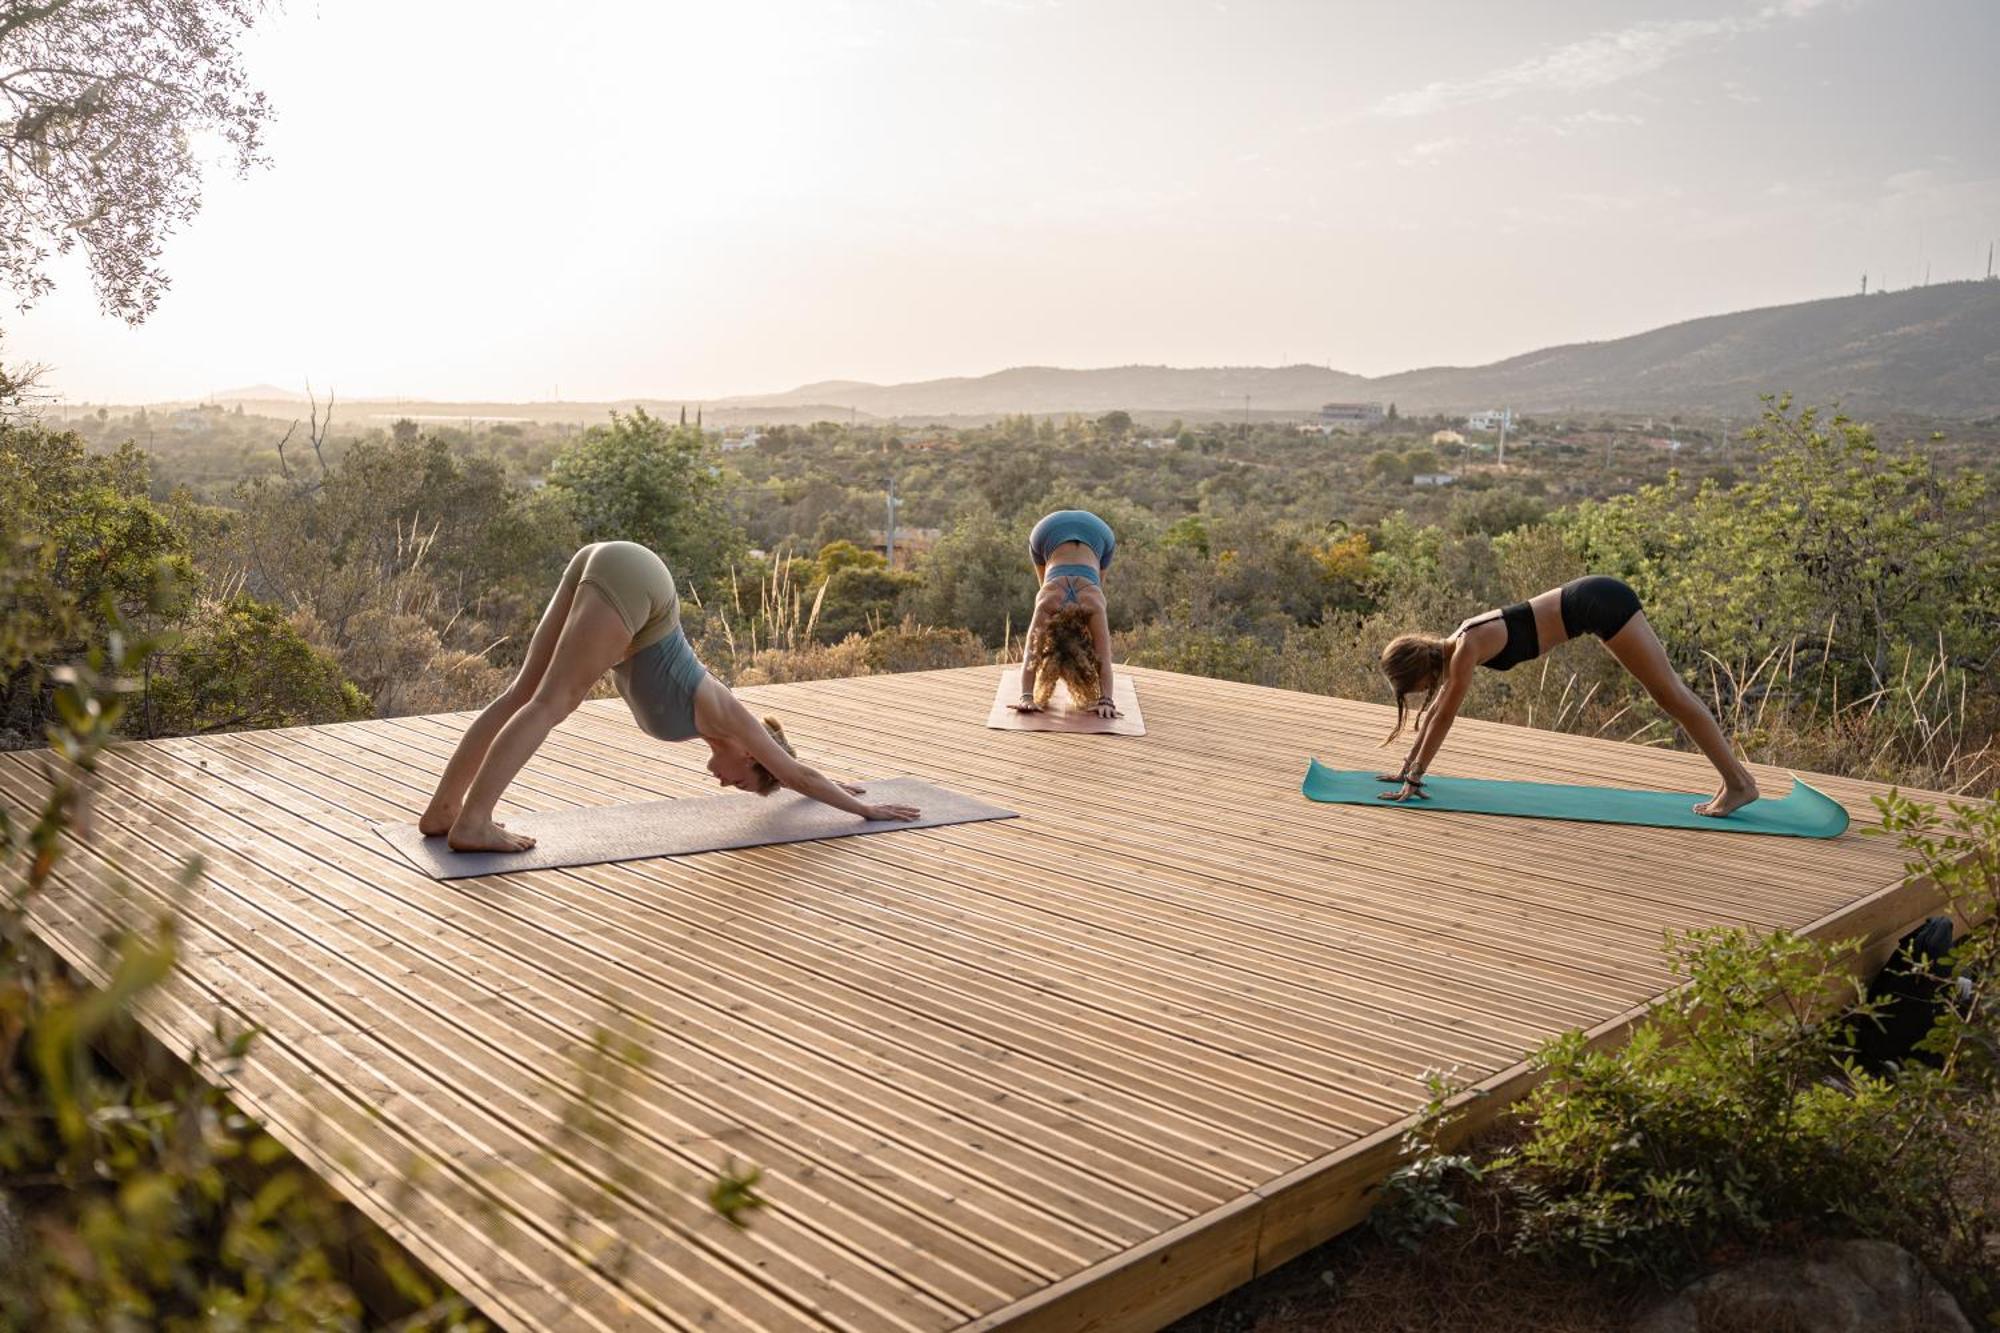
(1390, 777)
(1410, 791)
(1025, 705)
(1104, 708)
(893, 812)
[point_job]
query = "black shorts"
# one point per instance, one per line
(1597, 604)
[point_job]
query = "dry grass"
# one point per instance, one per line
(1923, 724)
(768, 637)
(778, 620)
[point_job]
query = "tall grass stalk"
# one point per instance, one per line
(1920, 724)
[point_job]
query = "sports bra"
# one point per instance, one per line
(1524, 641)
(659, 684)
(1072, 572)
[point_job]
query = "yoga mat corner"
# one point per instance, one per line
(1803, 812)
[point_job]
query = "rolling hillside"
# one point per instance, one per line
(1932, 351)
(1928, 352)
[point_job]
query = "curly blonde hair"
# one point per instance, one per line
(767, 781)
(1065, 649)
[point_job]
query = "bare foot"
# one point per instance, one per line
(487, 836)
(437, 820)
(1730, 798)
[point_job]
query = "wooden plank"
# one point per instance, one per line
(729, 924)
(1278, 1088)
(716, 1081)
(351, 1042)
(1019, 866)
(1086, 1070)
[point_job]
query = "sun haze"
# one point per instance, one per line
(506, 201)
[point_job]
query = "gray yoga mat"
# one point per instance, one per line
(597, 834)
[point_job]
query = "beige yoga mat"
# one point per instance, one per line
(596, 834)
(1061, 715)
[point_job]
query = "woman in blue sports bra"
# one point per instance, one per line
(1441, 670)
(616, 610)
(1069, 636)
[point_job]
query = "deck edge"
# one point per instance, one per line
(1170, 1275)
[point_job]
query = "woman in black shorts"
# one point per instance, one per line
(1441, 670)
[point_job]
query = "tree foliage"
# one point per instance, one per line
(84, 548)
(639, 479)
(200, 682)
(102, 107)
(1836, 543)
(863, 598)
(977, 578)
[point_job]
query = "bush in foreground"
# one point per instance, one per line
(1736, 1118)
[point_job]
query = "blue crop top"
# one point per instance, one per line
(658, 683)
(1072, 572)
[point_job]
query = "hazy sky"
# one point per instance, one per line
(496, 199)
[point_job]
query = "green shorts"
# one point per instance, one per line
(635, 581)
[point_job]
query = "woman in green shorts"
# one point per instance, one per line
(616, 610)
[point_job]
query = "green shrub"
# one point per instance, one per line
(1734, 1118)
(143, 1203)
(1425, 1191)
(1217, 653)
(913, 647)
(241, 664)
(1715, 1122)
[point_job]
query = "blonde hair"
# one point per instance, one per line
(1412, 662)
(1066, 650)
(767, 781)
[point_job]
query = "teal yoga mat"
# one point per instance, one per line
(1803, 812)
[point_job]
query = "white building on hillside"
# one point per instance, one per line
(1490, 420)
(1349, 416)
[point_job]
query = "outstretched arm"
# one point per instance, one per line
(1100, 635)
(1026, 703)
(803, 778)
(1416, 744)
(1432, 729)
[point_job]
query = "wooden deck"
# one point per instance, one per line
(1085, 1069)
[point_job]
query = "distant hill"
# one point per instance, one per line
(1932, 351)
(1042, 389)
(1929, 351)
